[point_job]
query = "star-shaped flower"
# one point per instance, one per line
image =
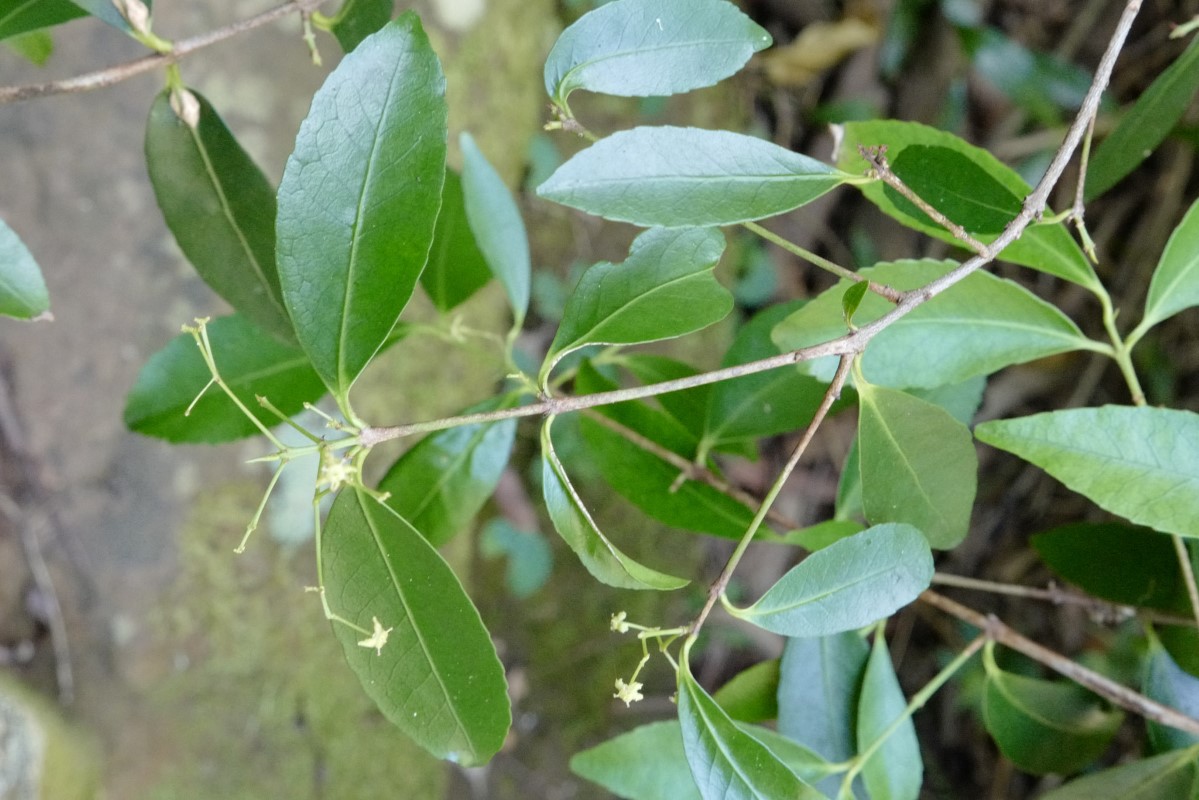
(377, 639)
(628, 692)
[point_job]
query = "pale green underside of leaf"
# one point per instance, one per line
(437, 678)
(819, 683)
(23, 291)
(675, 177)
(1172, 686)
(23, 16)
(1168, 775)
(895, 771)
(106, 10)
(1140, 463)
(1175, 283)
(646, 48)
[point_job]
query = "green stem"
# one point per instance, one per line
(1121, 350)
(820, 261)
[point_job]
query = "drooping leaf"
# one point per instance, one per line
(456, 268)
(358, 19)
(252, 364)
(1170, 685)
(1151, 118)
(437, 677)
(895, 771)
(918, 465)
(23, 292)
(23, 16)
(221, 209)
(498, 227)
(644, 48)
(442, 482)
(1175, 283)
(359, 199)
(1047, 247)
(1045, 726)
(574, 523)
(752, 694)
(819, 682)
(1168, 775)
(847, 585)
(673, 177)
(106, 10)
(663, 290)
(1135, 462)
(976, 327)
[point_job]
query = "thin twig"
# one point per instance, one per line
(829, 266)
(123, 72)
(1188, 573)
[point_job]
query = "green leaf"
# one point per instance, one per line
(35, 46)
(1045, 726)
(819, 683)
(456, 268)
(497, 225)
(1170, 685)
(23, 16)
(976, 327)
(252, 364)
(895, 771)
(106, 10)
(529, 558)
(822, 534)
(918, 465)
(752, 694)
(1047, 247)
(1041, 84)
(1155, 113)
(1168, 775)
(688, 407)
(574, 523)
(674, 177)
(726, 762)
(1083, 554)
(359, 199)
(847, 585)
(645, 48)
(221, 209)
(851, 298)
(664, 289)
(23, 291)
(1135, 462)
(443, 481)
(358, 19)
(437, 678)
(1175, 283)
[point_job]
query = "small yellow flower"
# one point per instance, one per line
(618, 624)
(336, 472)
(628, 692)
(377, 639)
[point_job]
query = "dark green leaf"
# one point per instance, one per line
(497, 225)
(847, 585)
(851, 298)
(1175, 283)
(442, 482)
(918, 465)
(574, 523)
(359, 199)
(1155, 113)
(752, 694)
(673, 177)
(976, 327)
(437, 678)
(34, 46)
(1170, 685)
(895, 771)
(1043, 85)
(530, 560)
(358, 19)
(1168, 775)
(1135, 462)
(663, 290)
(252, 364)
(221, 209)
(23, 16)
(1047, 247)
(23, 291)
(456, 268)
(956, 186)
(644, 48)
(818, 692)
(688, 407)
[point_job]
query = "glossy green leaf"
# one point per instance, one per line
(664, 289)
(443, 481)
(35, 46)
(23, 292)
(648, 48)
(977, 327)
(1047, 247)
(1151, 118)
(1083, 553)
(819, 682)
(359, 199)
(1168, 775)
(851, 299)
(1175, 283)
(221, 209)
(456, 268)
(23, 16)
(252, 364)
(1135, 462)
(1042, 84)
(752, 694)
(574, 523)
(437, 677)
(1170, 685)
(673, 177)
(918, 465)
(847, 585)
(1045, 726)
(358, 19)
(726, 762)
(498, 227)
(106, 10)
(895, 771)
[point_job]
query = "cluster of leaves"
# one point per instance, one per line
(320, 270)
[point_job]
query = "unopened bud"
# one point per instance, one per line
(135, 13)
(186, 107)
